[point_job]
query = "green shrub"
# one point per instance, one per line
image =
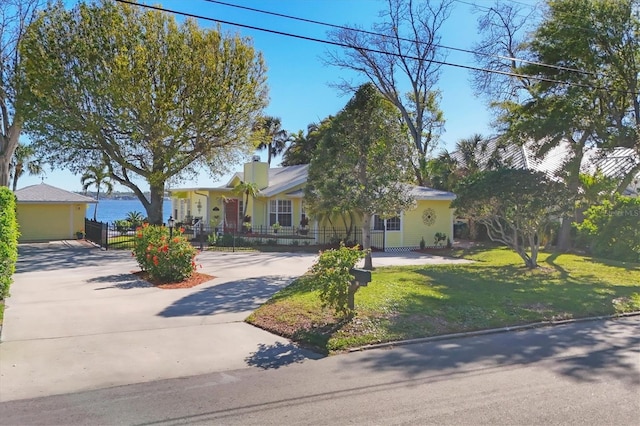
(612, 230)
(135, 219)
(8, 240)
(122, 226)
(165, 259)
(331, 274)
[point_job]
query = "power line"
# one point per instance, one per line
(366, 49)
(457, 49)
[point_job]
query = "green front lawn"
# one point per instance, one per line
(420, 301)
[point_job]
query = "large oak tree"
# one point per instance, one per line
(147, 97)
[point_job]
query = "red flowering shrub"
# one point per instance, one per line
(165, 259)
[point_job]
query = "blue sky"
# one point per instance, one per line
(299, 82)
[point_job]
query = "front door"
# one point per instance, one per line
(231, 224)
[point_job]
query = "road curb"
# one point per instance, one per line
(489, 331)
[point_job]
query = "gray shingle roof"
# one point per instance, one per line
(44, 193)
(281, 179)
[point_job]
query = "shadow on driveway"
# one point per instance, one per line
(237, 296)
(58, 255)
(121, 281)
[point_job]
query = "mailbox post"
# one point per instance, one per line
(361, 278)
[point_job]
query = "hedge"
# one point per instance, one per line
(8, 240)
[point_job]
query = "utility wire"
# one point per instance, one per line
(366, 49)
(457, 49)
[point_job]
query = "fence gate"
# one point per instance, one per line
(96, 232)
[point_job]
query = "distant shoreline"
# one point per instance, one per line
(117, 195)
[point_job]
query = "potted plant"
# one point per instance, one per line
(276, 226)
(304, 222)
(80, 234)
(439, 238)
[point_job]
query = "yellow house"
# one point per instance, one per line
(48, 213)
(281, 201)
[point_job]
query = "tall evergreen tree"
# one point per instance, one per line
(360, 163)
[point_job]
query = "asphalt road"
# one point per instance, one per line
(585, 373)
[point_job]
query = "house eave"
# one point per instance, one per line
(54, 202)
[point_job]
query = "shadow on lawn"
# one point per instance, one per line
(629, 266)
(485, 298)
(492, 296)
(586, 352)
(231, 297)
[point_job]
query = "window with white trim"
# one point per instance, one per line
(392, 224)
(280, 211)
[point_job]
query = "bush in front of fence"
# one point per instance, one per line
(8, 240)
(165, 258)
(331, 274)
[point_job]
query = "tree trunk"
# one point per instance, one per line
(5, 176)
(16, 174)
(534, 242)
(95, 208)
(154, 211)
(573, 185)
(564, 234)
(366, 241)
(8, 144)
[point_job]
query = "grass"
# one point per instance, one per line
(420, 301)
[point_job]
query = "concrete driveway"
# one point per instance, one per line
(78, 319)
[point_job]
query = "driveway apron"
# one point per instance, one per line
(77, 319)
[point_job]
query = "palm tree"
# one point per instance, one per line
(272, 137)
(248, 189)
(22, 161)
(302, 147)
(97, 176)
(470, 149)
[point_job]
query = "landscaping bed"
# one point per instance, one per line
(420, 301)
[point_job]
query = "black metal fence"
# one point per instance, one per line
(96, 232)
(111, 236)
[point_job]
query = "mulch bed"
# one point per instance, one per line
(195, 279)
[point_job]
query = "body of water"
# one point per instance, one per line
(110, 210)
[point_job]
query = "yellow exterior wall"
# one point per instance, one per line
(414, 229)
(45, 222)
